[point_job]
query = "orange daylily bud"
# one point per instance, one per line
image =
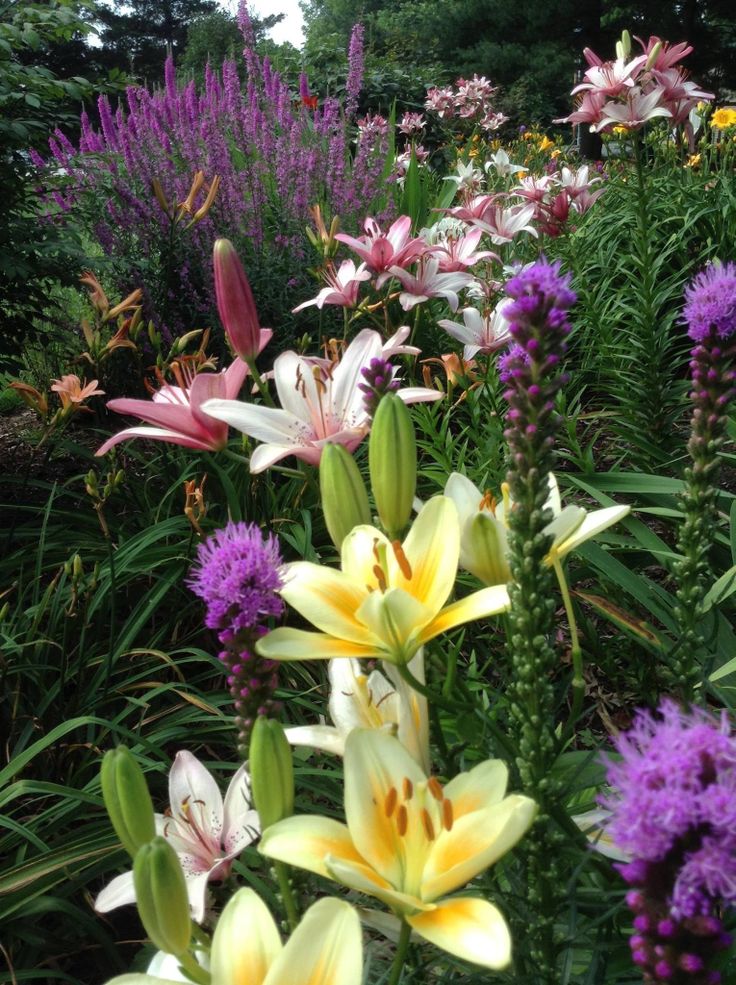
(235, 302)
(208, 202)
(132, 301)
(31, 397)
(188, 204)
(97, 296)
(161, 197)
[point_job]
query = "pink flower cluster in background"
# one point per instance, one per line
(470, 99)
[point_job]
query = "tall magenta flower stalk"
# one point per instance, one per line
(238, 574)
(673, 812)
(538, 326)
(710, 314)
(354, 82)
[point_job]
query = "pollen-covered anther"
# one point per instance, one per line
(407, 788)
(488, 502)
(448, 815)
(428, 826)
(392, 798)
(435, 788)
(402, 820)
(380, 577)
(401, 559)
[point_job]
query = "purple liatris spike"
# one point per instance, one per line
(710, 302)
(379, 377)
(238, 574)
(673, 810)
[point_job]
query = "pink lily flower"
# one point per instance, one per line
(428, 283)
(476, 208)
(635, 112)
(176, 411)
(343, 286)
(611, 78)
(379, 250)
(589, 109)
(459, 252)
(480, 333)
(205, 833)
(321, 404)
(502, 225)
(534, 188)
(668, 54)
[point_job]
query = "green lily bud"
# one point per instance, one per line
(161, 896)
(343, 493)
(127, 800)
(271, 772)
(483, 550)
(653, 55)
(392, 460)
(623, 47)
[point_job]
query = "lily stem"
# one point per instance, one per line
(282, 874)
(259, 381)
(432, 696)
(399, 958)
(578, 681)
(194, 969)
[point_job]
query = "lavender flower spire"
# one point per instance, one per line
(379, 380)
(354, 81)
(238, 574)
(710, 313)
(539, 329)
(673, 805)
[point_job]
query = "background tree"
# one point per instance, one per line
(216, 36)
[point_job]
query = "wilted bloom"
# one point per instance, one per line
(484, 333)
(176, 411)
(206, 833)
(389, 598)
(410, 842)
(235, 303)
(359, 700)
(343, 285)
(321, 402)
(710, 302)
(72, 392)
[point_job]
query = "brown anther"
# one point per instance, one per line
(428, 826)
(448, 816)
(392, 798)
(488, 502)
(402, 821)
(435, 788)
(407, 788)
(380, 577)
(402, 559)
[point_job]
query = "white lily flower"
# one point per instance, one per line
(358, 700)
(480, 333)
(501, 162)
(205, 833)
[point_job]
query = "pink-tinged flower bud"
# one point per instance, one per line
(235, 302)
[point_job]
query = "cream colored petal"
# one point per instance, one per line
(396, 618)
(306, 840)
(325, 949)
(475, 841)
(465, 495)
(298, 644)
(432, 548)
(363, 879)
(375, 765)
(357, 700)
(358, 554)
(554, 502)
(484, 549)
(565, 523)
(322, 737)
(472, 929)
(486, 602)
(481, 787)
(246, 941)
(142, 980)
(326, 598)
(413, 713)
(591, 526)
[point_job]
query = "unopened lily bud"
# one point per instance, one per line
(208, 202)
(343, 493)
(271, 772)
(127, 800)
(183, 341)
(623, 47)
(235, 302)
(77, 567)
(653, 55)
(161, 197)
(132, 300)
(161, 896)
(392, 460)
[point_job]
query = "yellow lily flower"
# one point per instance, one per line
(409, 842)
(388, 600)
(325, 949)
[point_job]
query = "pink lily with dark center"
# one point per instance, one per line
(380, 251)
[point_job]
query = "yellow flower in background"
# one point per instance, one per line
(693, 161)
(723, 118)
(555, 153)
(545, 143)
(620, 130)
(410, 842)
(473, 153)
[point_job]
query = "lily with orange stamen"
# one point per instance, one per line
(388, 600)
(410, 842)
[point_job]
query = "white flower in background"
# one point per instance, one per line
(501, 163)
(480, 333)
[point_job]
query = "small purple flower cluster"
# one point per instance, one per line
(710, 303)
(379, 376)
(238, 575)
(673, 805)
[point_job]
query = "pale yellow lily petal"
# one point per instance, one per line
(413, 712)
(554, 501)
(326, 738)
(375, 765)
(396, 618)
(591, 526)
(306, 840)
(246, 941)
(565, 523)
(326, 598)
(432, 548)
(141, 980)
(358, 555)
(484, 549)
(486, 602)
(475, 841)
(325, 949)
(363, 879)
(299, 644)
(472, 929)
(479, 788)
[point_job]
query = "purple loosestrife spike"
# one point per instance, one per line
(238, 575)
(354, 82)
(673, 809)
